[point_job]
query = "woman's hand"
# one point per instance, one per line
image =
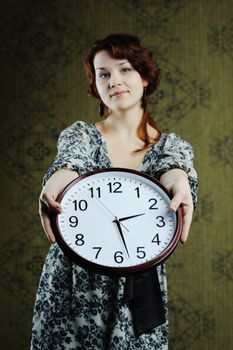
(176, 181)
(47, 201)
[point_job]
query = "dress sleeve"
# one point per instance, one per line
(71, 151)
(177, 153)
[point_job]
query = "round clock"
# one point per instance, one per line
(117, 221)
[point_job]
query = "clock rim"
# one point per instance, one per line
(109, 270)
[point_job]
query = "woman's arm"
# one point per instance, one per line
(47, 201)
(176, 181)
(68, 163)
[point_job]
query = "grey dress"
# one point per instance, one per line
(77, 309)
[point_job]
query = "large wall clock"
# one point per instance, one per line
(117, 221)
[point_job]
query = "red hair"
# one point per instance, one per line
(129, 47)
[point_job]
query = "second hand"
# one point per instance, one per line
(110, 212)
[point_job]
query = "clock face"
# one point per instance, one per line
(117, 221)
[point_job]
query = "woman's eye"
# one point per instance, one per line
(125, 70)
(102, 75)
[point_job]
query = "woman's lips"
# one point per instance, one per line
(118, 93)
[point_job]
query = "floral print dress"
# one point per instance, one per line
(75, 308)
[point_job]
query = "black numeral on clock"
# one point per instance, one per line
(156, 239)
(98, 251)
(79, 239)
(93, 190)
(154, 202)
(140, 252)
(114, 187)
(118, 257)
(161, 222)
(73, 221)
(138, 192)
(81, 205)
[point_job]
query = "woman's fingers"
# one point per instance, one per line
(52, 204)
(176, 200)
(184, 199)
(187, 220)
(48, 207)
(176, 182)
(46, 224)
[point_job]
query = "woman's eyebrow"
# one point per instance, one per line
(119, 64)
(100, 68)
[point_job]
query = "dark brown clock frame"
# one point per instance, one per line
(116, 271)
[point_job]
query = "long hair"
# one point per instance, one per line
(127, 46)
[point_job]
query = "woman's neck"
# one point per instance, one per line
(124, 122)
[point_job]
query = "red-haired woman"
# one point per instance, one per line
(77, 309)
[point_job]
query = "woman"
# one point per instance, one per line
(77, 309)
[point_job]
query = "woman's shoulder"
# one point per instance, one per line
(78, 129)
(173, 144)
(172, 139)
(76, 133)
(80, 126)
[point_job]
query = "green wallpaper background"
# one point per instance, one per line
(43, 89)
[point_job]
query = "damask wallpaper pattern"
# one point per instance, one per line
(43, 90)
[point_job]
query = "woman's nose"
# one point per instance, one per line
(114, 80)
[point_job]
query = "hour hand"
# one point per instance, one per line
(130, 217)
(117, 222)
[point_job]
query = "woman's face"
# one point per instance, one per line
(119, 85)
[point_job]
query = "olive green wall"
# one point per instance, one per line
(43, 89)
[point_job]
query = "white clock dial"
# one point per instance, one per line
(117, 219)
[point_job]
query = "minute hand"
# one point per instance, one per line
(121, 234)
(130, 217)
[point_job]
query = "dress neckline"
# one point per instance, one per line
(139, 167)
